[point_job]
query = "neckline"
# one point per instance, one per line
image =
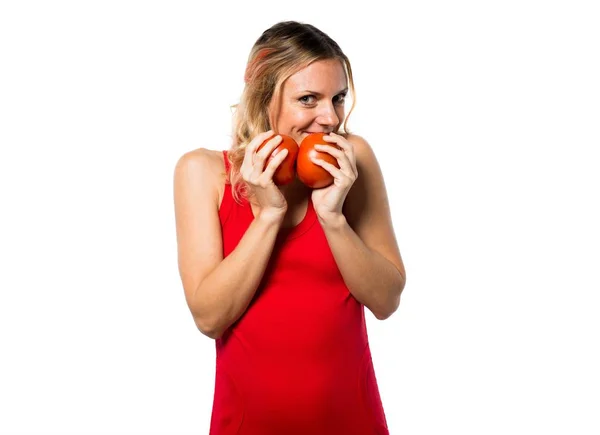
(309, 219)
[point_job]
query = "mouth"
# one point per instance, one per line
(306, 133)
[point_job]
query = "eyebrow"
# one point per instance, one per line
(345, 90)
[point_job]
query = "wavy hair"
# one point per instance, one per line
(281, 51)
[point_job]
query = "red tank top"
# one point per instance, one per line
(298, 360)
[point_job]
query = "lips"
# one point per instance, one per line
(306, 133)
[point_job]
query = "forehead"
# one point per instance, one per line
(324, 76)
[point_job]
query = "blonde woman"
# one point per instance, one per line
(279, 275)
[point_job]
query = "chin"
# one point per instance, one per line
(300, 136)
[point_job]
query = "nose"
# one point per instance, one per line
(328, 117)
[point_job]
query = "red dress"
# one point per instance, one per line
(298, 360)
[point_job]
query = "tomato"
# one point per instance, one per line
(286, 171)
(310, 174)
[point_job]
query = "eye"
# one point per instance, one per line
(340, 99)
(304, 100)
(309, 100)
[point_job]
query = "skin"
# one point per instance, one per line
(361, 239)
(353, 211)
(312, 101)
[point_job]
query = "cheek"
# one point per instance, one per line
(297, 118)
(303, 116)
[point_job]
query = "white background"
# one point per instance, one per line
(484, 117)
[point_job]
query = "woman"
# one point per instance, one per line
(279, 275)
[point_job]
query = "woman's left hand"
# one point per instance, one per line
(328, 201)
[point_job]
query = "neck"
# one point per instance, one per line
(295, 191)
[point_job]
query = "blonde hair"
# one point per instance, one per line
(281, 51)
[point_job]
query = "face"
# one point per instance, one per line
(312, 100)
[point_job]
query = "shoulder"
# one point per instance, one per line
(368, 189)
(202, 167)
(208, 161)
(367, 206)
(202, 156)
(365, 156)
(362, 148)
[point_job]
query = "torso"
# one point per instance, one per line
(297, 209)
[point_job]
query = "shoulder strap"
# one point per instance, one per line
(226, 161)
(228, 190)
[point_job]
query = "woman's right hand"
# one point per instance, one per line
(271, 201)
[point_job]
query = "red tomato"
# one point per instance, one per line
(286, 171)
(312, 175)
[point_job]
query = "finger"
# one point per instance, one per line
(260, 158)
(345, 145)
(341, 157)
(254, 144)
(339, 141)
(333, 170)
(335, 152)
(274, 164)
(266, 151)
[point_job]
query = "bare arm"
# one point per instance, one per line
(363, 240)
(224, 295)
(218, 291)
